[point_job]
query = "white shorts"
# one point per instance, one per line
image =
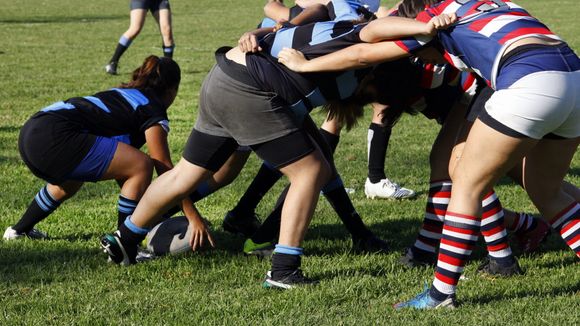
(539, 104)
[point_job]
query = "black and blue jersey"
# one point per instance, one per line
(57, 138)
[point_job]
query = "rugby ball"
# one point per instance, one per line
(170, 237)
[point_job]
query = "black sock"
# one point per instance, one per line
(263, 181)
(284, 264)
(437, 295)
(118, 53)
(41, 206)
(337, 197)
(129, 238)
(125, 207)
(331, 139)
(270, 228)
(378, 142)
(168, 51)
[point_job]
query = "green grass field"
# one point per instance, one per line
(52, 50)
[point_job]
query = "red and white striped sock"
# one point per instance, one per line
(460, 233)
(493, 229)
(437, 202)
(523, 222)
(567, 223)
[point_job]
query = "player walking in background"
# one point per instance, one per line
(161, 11)
(97, 137)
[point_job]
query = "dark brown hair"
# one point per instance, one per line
(410, 8)
(391, 83)
(156, 74)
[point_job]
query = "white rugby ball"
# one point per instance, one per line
(169, 237)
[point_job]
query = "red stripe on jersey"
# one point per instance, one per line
(473, 10)
(446, 279)
(479, 24)
(402, 45)
(451, 260)
(562, 213)
(440, 7)
(427, 76)
(525, 31)
(456, 244)
(424, 16)
(461, 230)
(469, 81)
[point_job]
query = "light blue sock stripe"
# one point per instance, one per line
(125, 41)
(45, 200)
(134, 228)
(288, 250)
(41, 203)
(332, 185)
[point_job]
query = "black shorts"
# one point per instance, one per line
(151, 5)
(295, 11)
(211, 152)
(52, 147)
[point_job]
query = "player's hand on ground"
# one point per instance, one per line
(442, 21)
(248, 42)
(291, 58)
(200, 234)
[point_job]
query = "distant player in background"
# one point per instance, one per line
(161, 11)
(97, 137)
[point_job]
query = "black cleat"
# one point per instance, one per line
(413, 258)
(245, 225)
(119, 254)
(111, 68)
(491, 267)
(289, 281)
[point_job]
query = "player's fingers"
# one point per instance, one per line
(210, 239)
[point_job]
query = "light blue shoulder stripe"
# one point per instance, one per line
(283, 39)
(98, 103)
(58, 106)
(133, 96)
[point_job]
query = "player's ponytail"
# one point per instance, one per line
(411, 8)
(156, 74)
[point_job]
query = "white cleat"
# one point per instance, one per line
(11, 234)
(387, 189)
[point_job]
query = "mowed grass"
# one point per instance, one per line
(52, 50)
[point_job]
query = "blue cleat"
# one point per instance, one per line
(425, 301)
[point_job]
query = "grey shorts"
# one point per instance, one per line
(230, 108)
(151, 5)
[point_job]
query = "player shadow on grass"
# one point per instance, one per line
(546, 290)
(45, 263)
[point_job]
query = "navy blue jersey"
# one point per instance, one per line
(116, 112)
(306, 91)
(57, 138)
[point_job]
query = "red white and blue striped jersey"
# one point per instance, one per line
(483, 31)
